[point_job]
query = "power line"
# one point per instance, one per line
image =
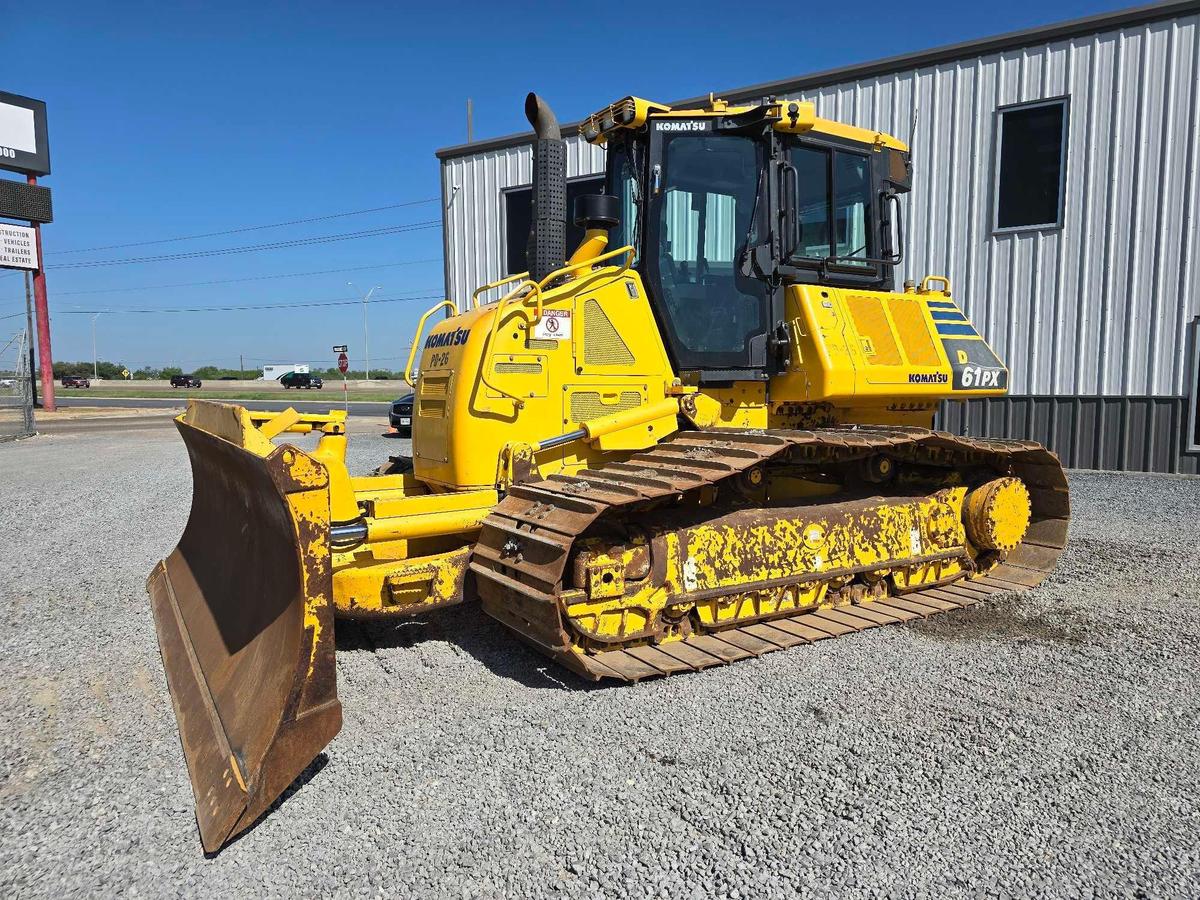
(158, 287)
(339, 301)
(194, 237)
(254, 248)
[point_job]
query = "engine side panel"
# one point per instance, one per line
(884, 350)
(484, 384)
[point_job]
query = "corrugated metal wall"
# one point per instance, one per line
(1100, 306)
(473, 222)
(1137, 434)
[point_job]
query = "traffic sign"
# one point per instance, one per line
(340, 348)
(343, 363)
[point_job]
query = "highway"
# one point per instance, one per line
(357, 407)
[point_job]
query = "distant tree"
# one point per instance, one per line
(102, 368)
(147, 373)
(168, 371)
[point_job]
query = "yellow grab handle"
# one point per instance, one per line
(412, 353)
(495, 284)
(926, 289)
(500, 305)
(627, 250)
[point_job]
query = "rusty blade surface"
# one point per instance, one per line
(243, 610)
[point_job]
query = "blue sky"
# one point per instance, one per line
(181, 118)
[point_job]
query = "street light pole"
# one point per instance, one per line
(95, 365)
(366, 343)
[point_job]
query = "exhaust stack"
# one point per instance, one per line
(547, 247)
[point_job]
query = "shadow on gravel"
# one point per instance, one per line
(468, 627)
(302, 779)
(1013, 621)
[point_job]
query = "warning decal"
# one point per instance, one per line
(555, 325)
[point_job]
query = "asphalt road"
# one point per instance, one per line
(358, 423)
(357, 407)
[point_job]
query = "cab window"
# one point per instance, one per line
(833, 215)
(707, 215)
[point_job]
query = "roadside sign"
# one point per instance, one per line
(340, 348)
(343, 363)
(18, 247)
(23, 144)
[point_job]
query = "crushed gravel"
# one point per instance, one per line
(1044, 745)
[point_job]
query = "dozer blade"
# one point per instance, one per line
(243, 609)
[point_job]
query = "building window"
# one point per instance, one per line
(518, 213)
(1031, 158)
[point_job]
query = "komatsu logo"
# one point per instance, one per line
(448, 338)
(981, 377)
(694, 125)
(928, 378)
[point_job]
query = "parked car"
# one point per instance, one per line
(75, 381)
(300, 380)
(185, 381)
(400, 416)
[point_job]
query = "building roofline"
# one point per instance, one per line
(1040, 34)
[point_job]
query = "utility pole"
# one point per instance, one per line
(95, 365)
(241, 367)
(470, 129)
(366, 344)
(29, 337)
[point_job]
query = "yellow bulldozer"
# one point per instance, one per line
(703, 435)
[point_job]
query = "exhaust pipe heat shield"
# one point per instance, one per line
(244, 613)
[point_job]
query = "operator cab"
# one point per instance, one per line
(726, 206)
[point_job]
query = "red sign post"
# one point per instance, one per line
(42, 308)
(343, 366)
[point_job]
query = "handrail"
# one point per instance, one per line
(417, 339)
(496, 317)
(925, 282)
(494, 284)
(535, 291)
(558, 273)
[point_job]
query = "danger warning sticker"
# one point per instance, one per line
(555, 325)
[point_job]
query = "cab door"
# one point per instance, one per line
(706, 206)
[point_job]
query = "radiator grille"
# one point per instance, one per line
(435, 385)
(587, 405)
(432, 391)
(539, 344)
(914, 333)
(518, 368)
(602, 346)
(871, 322)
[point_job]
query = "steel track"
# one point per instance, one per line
(523, 549)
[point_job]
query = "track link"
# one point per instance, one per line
(523, 549)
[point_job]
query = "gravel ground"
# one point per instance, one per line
(1045, 745)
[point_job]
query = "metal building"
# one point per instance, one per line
(1092, 298)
